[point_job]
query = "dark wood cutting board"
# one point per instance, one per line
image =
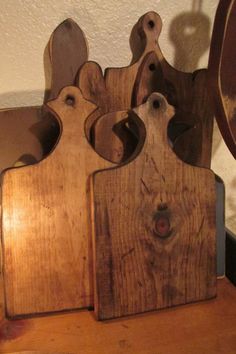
(222, 72)
(185, 91)
(154, 226)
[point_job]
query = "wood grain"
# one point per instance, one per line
(193, 145)
(91, 82)
(115, 136)
(191, 128)
(206, 326)
(68, 52)
(28, 134)
(45, 213)
(149, 79)
(106, 129)
(37, 352)
(120, 92)
(222, 71)
(154, 226)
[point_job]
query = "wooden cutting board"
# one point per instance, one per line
(154, 226)
(28, 134)
(45, 212)
(91, 82)
(222, 71)
(68, 51)
(188, 131)
(115, 136)
(149, 78)
(184, 90)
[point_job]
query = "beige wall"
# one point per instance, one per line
(26, 25)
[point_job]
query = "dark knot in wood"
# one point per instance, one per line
(161, 221)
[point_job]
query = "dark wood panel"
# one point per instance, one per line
(222, 71)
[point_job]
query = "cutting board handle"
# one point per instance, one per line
(144, 36)
(68, 51)
(150, 25)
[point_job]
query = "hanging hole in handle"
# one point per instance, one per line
(151, 24)
(156, 104)
(152, 67)
(70, 100)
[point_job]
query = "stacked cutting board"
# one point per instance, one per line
(120, 213)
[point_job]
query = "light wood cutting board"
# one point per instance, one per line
(45, 220)
(154, 226)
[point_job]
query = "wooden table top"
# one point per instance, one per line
(206, 327)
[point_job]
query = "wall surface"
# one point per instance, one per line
(26, 26)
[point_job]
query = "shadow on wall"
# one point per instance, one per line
(231, 221)
(217, 140)
(190, 34)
